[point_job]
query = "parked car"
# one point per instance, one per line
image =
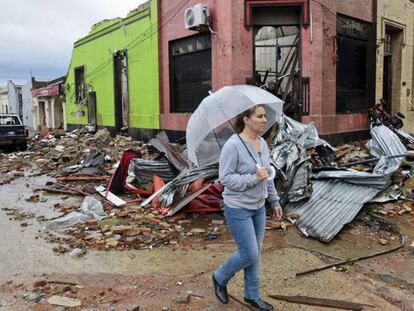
(12, 132)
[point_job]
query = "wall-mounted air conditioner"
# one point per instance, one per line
(197, 17)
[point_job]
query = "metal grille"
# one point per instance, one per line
(355, 70)
(190, 72)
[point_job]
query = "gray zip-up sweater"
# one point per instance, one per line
(237, 172)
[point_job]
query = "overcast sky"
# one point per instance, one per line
(38, 35)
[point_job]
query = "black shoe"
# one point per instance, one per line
(259, 304)
(221, 291)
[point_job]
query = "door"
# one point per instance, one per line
(387, 82)
(121, 101)
(92, 109)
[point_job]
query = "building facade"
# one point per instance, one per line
(11, 99)
(113, 78)
(319, 56)
(395, 58)
(48, 105)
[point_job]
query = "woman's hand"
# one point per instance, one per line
(261, 173)
(277, 212)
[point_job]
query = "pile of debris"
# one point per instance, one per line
(327, 187)
(143, 195)
(114, 175)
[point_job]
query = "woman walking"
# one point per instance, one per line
(244, 172)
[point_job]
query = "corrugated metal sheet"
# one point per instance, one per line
(333, 205)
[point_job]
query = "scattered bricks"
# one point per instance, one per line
(176, 218)
(112, 243)
(165, 225)
(389, 206)
(182, 299)
(184, 222)
(89, 238)
(145, 230)
(132, 233)
(131, 240)
(274, 224)
(383, 241)
(91, 223)
(392, 214)
(293, 215)
(198, 231)
(144, 238)
(151, 220)
(99, 244)
(162, 236)
(124, 214)
(108, 234)
(105, 229)
(60, 249)
(403, 211)
(121, 229)
(138, 217)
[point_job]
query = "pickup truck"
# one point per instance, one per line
(13, 134)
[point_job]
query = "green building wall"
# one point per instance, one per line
(138, 35)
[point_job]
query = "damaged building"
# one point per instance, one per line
(395, 58)
(320, 57)
(48, 104)
(113, 78)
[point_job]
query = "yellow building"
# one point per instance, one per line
(395, 58)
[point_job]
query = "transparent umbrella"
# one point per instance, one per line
(211, 124)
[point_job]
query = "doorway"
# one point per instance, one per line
(277, 55)
(391, 80)
(121, 101)
(42, 113)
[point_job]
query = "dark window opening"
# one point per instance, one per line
(190, 72)
(355, 70)
(80, 84)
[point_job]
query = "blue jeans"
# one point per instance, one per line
(247, 228)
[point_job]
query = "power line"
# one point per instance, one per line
(140, 39)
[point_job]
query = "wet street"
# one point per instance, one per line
(178, 277)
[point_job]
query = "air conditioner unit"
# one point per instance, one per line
(197, 17)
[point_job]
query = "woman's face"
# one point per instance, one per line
(257, 121)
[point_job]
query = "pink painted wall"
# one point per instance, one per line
(232, 56)
(230, 48)
(319, 65)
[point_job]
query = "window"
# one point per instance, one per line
(355, 70)
(80, 84)
(190, 72)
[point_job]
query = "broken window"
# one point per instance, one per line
(80, 84)
(277, 64)
(355, 68)
(190, 72)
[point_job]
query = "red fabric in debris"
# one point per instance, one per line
(117, 184)
(157, 184)
(208, 201)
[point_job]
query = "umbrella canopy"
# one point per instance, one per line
(208, 128)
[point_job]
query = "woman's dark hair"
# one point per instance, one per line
(239, 122)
